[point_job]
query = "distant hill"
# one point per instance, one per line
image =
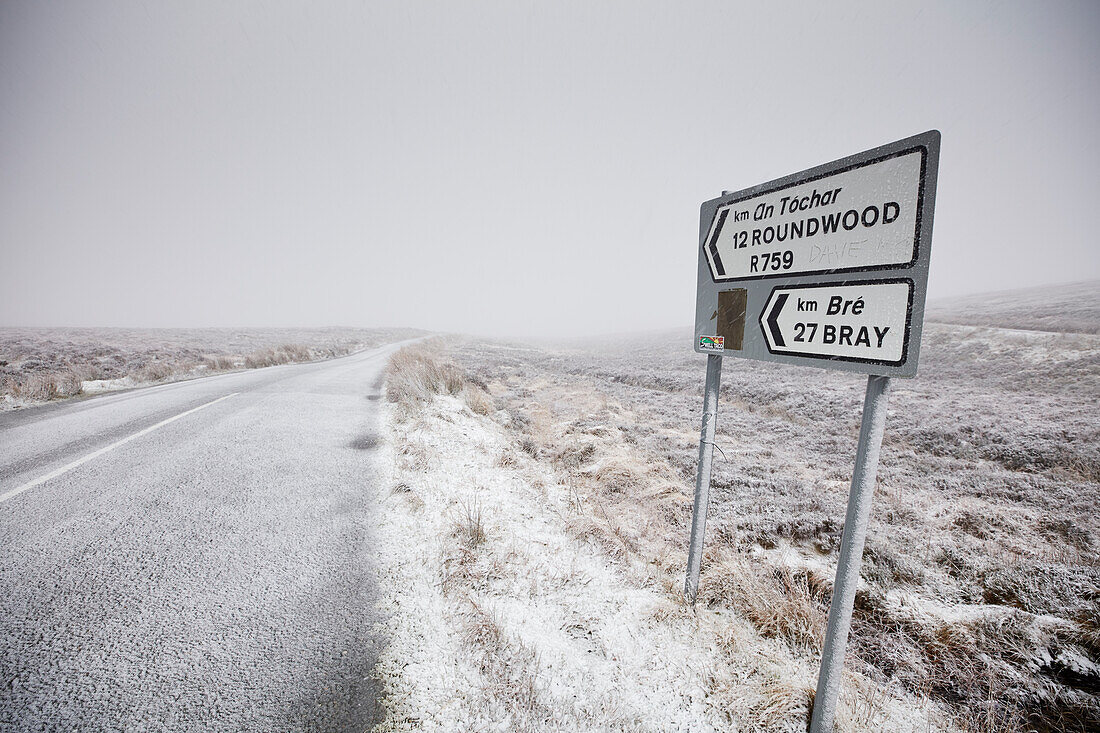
(1071, 308)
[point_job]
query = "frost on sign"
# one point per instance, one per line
(865, 217)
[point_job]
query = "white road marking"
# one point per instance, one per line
(80, 461)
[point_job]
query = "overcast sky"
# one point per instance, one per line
(507, 167)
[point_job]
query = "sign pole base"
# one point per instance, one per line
(702, 478)
(851, 554)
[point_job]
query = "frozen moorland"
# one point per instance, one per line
(42, 364)
(542, 497)
(1070, 308)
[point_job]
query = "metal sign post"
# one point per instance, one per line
(702, 478)
(851, 554)
(828, 268)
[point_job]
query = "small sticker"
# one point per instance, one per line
(712, 343)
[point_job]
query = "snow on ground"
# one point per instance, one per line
(502, 618)
(980, 579)
(95, 386)
(1068, 308)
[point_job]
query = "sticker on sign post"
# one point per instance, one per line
(866, 322)
(712, 343)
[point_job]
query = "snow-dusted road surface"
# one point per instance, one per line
(209, 572)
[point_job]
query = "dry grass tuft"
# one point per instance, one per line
(480, 401)
(39, 387)
(44, 386)
(780, 703)
(404, 490)
(69, 382)
(510, 667)
(600, 534)
(782, 603)
(220, 363)
(157, 371)
(463, 562)
(618, 474)
(284, 354)
(469, 528)
(414, 376)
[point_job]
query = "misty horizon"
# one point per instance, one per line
(500, 170)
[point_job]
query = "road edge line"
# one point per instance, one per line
(95, 454)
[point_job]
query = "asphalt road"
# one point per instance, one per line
(207, 568)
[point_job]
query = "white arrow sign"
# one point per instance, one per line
(866, 322)
(863, 217)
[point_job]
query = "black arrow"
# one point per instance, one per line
(714, 244)
(773, 319)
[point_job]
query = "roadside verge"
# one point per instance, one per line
(515, 601)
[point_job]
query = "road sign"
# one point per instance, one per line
(862, 216)
(865, 322)
(827, 267)
(829, 232)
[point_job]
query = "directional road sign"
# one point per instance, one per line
(864, 322)
(827, 267)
